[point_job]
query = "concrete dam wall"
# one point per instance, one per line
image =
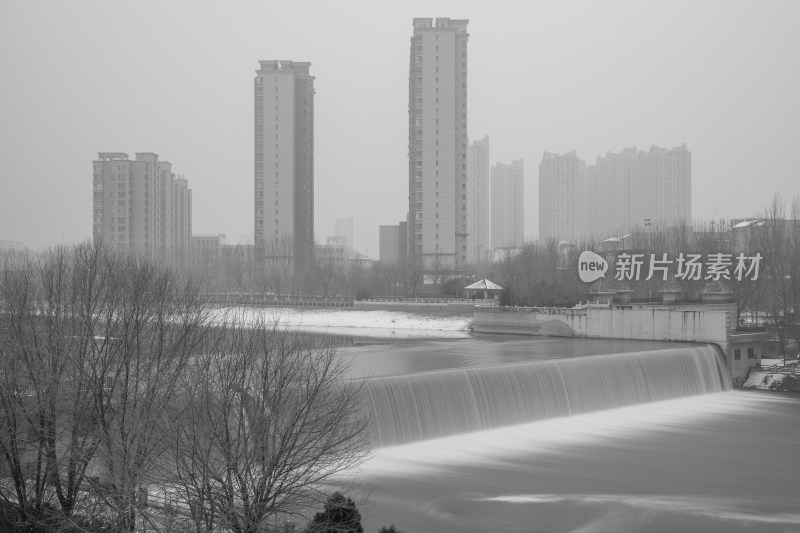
(651, 323)
(704, 324)
(414, 407)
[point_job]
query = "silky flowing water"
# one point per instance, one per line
(423, 406)
(719, 462)
(636, 439)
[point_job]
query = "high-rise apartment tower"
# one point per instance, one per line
(479, 201)
(284, 162)
(634, 189)
(621, 193)
(662, 190)
(507, 204)
(437, 144)
(343, 231)
(140, 206)
(562, 188)
(609, 188)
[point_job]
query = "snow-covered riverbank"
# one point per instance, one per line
(377, 324)
(773, 376)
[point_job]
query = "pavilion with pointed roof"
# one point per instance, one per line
(484, 285)
(717, 292)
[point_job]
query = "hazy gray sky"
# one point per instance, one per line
(176, 78)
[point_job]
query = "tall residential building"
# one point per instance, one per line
(403, 236)
(479, 201)
(507, 204)
(207, 254)
(437, 144)
(393, 241)
(284, 162)
(609, 184)
(562, 194)
(633, 189)
(182, 219)
(343, 231)
(389, 239)
(141, 206)
(662, 190)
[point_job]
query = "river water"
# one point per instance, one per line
(392, 357)
(718, 460)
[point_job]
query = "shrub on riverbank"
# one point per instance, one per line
(340, 516)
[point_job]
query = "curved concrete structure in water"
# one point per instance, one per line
(428, 405)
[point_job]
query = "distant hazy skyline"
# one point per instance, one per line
(176, 78)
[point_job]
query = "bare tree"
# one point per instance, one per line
(95, 346)
(794, 272)
(388, 277)
(773, 238)
(327, 271)
(92, 344)
(748, 292)
(49, 308)
(412, 274)
(262, 425)
(509, 271)
(279, 265)
(152, 323)
(236, 266)
(439, 271)
(353, 277)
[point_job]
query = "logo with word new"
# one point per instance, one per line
(686, 267)
(591, 266)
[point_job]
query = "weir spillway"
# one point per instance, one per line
(414, 407)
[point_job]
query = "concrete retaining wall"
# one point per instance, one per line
(710, 324)
(612, 323)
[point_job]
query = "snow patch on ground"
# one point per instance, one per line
(763, 381)
(362, 323)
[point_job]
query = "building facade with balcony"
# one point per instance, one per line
(284, 162)
(437, 144)
(140, 206)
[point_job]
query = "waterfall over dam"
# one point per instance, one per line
(414, 407)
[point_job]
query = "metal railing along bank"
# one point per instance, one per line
(431, 301)
(337, 301)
